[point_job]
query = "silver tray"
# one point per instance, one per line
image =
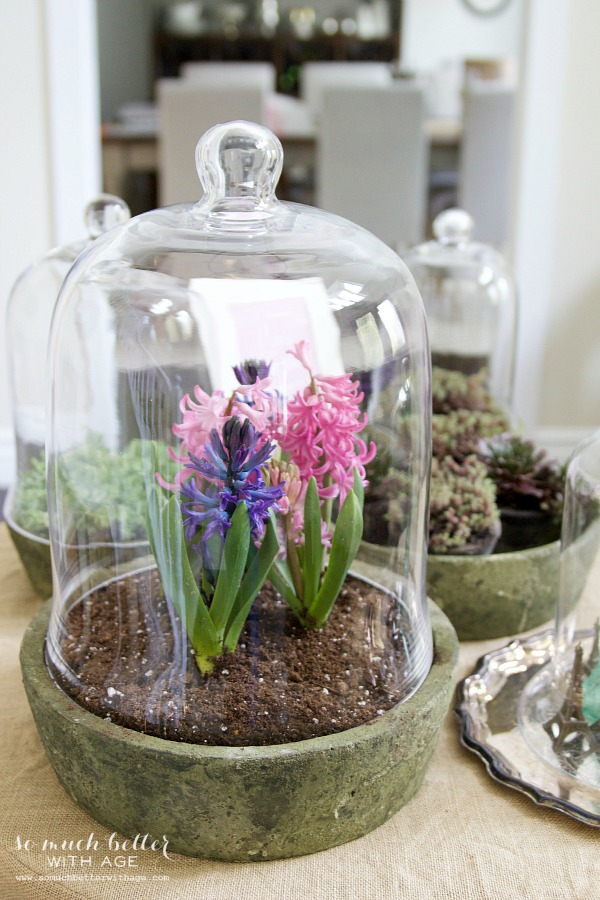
(487, 708)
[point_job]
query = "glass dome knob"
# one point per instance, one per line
(453, 226)
(103, 213)
(239, 164)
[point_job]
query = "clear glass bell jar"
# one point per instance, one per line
(234, 383)
(470, 301)
(29, 312)
(559, 713)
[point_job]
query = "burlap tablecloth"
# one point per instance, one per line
(462, 837)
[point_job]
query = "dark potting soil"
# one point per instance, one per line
(133, 666)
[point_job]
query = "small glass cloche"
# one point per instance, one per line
(29, 312)
(234, 383)
(470, 302)
(560, 708)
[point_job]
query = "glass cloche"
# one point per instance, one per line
(29, 312)
(560, 708)
(235, 384)
(470, 301)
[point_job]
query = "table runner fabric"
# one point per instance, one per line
(461, 837)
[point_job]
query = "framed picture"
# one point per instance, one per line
(235, 313)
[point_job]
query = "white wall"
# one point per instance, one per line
(50, 150)
(437, 36)
(571, 360)
(556, 240)
(543, 96)
(435, 32)
(555, 247)
(25, 191)
(73, 97)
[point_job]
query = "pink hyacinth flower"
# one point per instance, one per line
(291, 504)
(322, 431)
(199, 418)
(207, 411)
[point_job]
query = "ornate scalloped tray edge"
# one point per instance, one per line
(487, 709)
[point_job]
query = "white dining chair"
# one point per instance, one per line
(317, 77)
(232, 74)
(372, 160)
(486, 159)
(186, 111)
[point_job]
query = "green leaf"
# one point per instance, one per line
(294, 569)
(281, 581)
(153, 509)
(167, 541)
(358, 488)
(233, 563)
(254, 578)
(344, 546)
(313, 548)
(211, 561)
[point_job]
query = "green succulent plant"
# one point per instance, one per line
(524, 476)
(104, 492)
(479, 470)
(454, 390)
(30, 508)
(386, 500)
(468, 425)
(459, 432)
(463, 515)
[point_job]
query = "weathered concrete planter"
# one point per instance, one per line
(241, 804)
(34, 553)
(498, 595)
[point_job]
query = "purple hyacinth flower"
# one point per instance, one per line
(233, 467)
(251, 371)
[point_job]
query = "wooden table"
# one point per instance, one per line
(461, 837)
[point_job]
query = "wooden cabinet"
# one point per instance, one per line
(285, 51)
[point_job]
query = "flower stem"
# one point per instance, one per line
(295, 570)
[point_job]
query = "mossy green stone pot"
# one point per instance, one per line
(35, 556)
(498, 595)
(246, 803)
(34, 553)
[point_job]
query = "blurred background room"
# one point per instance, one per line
(389, 111)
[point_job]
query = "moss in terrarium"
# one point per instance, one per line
(104, 492)
(463, 515)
